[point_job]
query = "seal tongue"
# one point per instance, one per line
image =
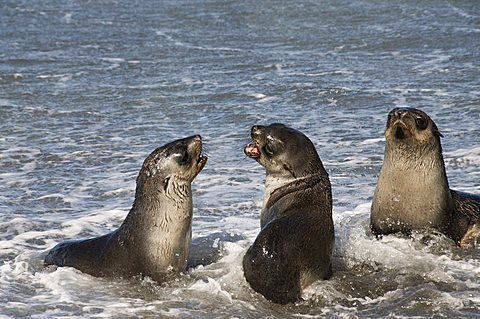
(252, 150)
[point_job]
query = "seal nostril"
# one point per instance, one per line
(399, 113)
(255, 130)
(402, 111)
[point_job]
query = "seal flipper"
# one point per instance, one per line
(84, 255)
(465, 227)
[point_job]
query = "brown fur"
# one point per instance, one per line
(412, 190)
(155, 237)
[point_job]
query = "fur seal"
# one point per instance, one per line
(154, 239)
(295, 243)
(412, 190)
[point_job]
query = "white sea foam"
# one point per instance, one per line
(372, 141)
(211, 287)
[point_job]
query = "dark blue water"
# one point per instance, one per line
(89, 89)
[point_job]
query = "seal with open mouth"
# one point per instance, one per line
(154, 239)
(412, 190)
(295, 243)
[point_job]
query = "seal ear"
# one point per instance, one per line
(435, 129)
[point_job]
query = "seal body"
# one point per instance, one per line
(412, 191)
(295, 243)
(154, 239)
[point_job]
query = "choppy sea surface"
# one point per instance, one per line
(89, 88)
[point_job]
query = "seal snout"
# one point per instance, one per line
(256, 131)
(407, 122)
(400, 112)
(399, 122)
(201, 159)
(197, 138)
(252, 150)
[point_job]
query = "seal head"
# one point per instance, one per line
(295, 243)
(283, 151)
(154, 239)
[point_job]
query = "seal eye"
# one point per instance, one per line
(421, 123)
(185, 157)
(268, 149)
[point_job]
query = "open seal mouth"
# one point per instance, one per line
(399, 133)
(201, 161)
(252, 150)
(401, 130)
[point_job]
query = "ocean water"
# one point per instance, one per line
(89, 88)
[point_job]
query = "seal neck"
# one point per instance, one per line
(418, 156)
(297, 184)
(161, 208)
(422, 163)
(277, 191)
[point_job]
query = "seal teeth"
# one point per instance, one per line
(201, 161)
(252, 150)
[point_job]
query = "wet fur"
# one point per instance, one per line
(413, 191)
(295, 243)
(155, 237)
(465, 227)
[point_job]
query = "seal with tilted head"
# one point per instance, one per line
(155, 237)
(296, 239)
